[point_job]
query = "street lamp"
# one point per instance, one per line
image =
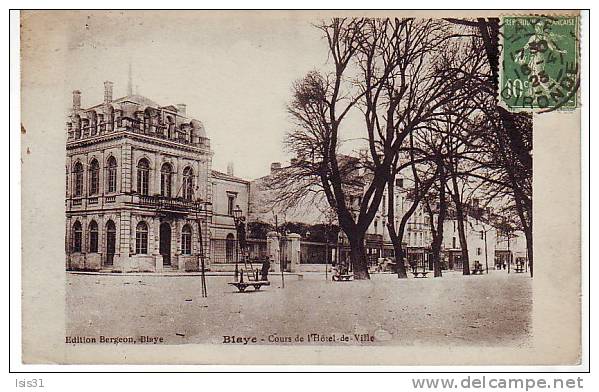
(486, 253)
(202, 206)
(237, 212)
(401, 257)
(341, 245)
(238, 219)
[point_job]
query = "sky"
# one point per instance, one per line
(233, 71)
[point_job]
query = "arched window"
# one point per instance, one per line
(188, 183)
(230, 248)
(94, 177)
(166, 177)
(141, 238)
(110, 242)
(186, 240)
(77, 236)
(93, 237)
(143, 177)
(78, 179)
(111, 175)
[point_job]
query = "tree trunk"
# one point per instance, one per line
(528, 235)
(437, 271)
(526, 226)
(436, 249)
(358, 257)
(459, 208)
(463, 242)
(435, 244)
(400, 266)
(440, 222)
(438, 241)
(522, 198)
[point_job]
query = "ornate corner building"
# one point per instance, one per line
(138, 186)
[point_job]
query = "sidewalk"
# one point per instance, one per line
(172, 273)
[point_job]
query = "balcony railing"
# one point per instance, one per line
(160, 131)
(374, 238)
(162, 203)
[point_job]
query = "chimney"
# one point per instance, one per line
(275, 166)
(130, 80)
(108, 91)
(230, 170)
(76, 100)
(182, 109)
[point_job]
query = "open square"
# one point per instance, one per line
(454, 310)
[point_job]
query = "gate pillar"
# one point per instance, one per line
(273, 250)
(294, 251)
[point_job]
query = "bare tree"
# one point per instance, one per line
(507, 170)
(387, 69)
(510, 136)
(446, 140)
(416, 195)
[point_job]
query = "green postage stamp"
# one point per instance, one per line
(540, 62)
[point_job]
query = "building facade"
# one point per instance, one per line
(137, 194)
(417, 235)
(228, 193)
(511, 249)
(141, 195)
(481, 237)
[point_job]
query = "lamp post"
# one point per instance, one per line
(199, 210)
(486, 254)
(326, 241)
(509, 253)
(339, 244)
(308, 250)
(402, 257)
(238, 219)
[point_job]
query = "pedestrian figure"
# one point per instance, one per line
(412, 264)
(265, 268)
(477, 266)
(343, 270)
(335, 271)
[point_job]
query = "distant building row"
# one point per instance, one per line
(141, 195)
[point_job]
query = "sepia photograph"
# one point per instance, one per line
(219, 187)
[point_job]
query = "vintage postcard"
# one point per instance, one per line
(301, 187)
